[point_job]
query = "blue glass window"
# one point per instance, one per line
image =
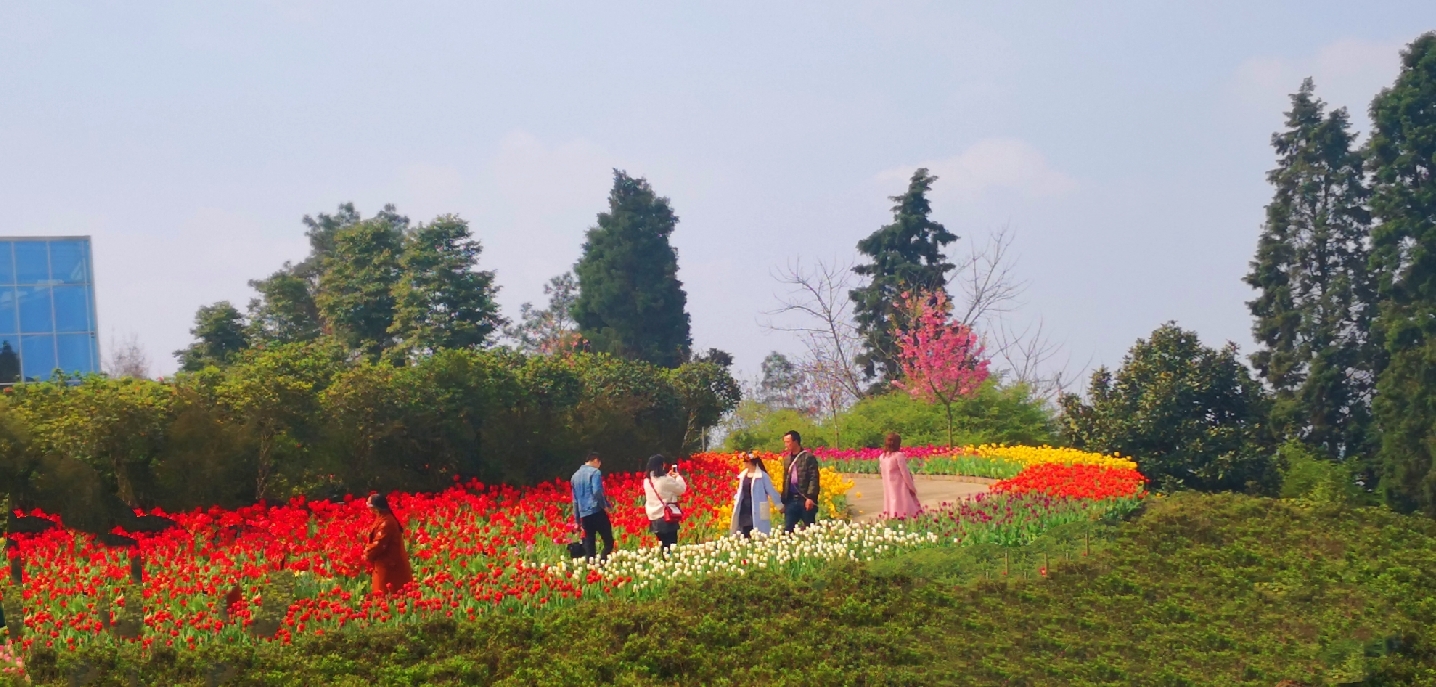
(7, 263)
(72, 309)
(35, 312)
(69, 263)
(9, 322)
(37, 356)
(32, 262)
(73, 350)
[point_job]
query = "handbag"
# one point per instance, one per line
(576, 550)
(671, 513)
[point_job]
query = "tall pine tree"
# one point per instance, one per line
(1316, 293)
(441, 301)
(905, 255)
(1401, 157)
(630, 302)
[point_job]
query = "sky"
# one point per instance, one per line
(1123, 145)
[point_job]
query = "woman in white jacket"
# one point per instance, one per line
(662, 486)
(750, 504)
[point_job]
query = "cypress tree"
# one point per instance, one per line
(1401, 157)
(1316, 295)
(904, 255)
(630, 302)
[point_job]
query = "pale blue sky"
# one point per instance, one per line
(1126, 144)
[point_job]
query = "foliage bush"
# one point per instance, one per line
(307, 419)
(996, 414)
(1191, 416)
(1200, 590)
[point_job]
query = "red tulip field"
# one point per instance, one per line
(276, 572)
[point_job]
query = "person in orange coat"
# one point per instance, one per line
(385, 550)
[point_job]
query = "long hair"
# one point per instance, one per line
(657, 465)
(892, 442)
(753, 459)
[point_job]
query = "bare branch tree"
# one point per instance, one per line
(816, 306)
(127, 358)
(987, 280)
(991, 292)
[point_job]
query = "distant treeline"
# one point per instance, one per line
(309, 419)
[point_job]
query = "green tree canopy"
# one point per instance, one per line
(1401, 157)
(904, 255)
(630, 301)
(441, 300)
(355, 295)
(285, 311)
(552, 329)
(1316, 294)
(220, 334)
(1191, 416)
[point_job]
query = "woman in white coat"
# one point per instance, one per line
(750, 504)
(662, 487)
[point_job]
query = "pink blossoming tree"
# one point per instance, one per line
(942, 360)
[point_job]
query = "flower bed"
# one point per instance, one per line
(993, 461)
(475, 549)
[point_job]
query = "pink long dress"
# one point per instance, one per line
(899, 492)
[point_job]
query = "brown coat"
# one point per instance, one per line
(385, 552)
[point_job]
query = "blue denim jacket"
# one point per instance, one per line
(588, 496)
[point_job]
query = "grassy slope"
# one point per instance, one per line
(1199, 590)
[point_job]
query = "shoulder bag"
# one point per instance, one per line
(671, 513)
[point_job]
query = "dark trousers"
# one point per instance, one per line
(746, 531)
(597, 524)
(667, 539)
(795, 511)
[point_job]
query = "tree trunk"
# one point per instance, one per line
(948, 406)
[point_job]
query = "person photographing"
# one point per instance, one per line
(800, 483)
(662, 487)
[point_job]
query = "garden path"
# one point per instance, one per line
(932, 492)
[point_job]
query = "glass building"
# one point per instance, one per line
(47, 308)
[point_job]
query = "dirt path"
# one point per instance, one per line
(932, 492)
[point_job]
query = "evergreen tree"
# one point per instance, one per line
(441, 301)
(285, 311)
(219, 333)
(904, 256)
(630, 301)
(1316, 295)
(1191, 416)
(1401, 157)
(355, 295)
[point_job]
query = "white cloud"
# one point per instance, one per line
(1347, 73)
(993, 165)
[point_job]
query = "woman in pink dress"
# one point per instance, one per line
(899, 492)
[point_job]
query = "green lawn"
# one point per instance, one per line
(1198, 590)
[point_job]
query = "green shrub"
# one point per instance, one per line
(1314, 478)
(996, 414)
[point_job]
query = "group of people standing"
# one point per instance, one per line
(664, 486)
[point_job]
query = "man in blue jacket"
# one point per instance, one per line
(590, 507)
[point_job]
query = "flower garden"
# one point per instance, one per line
(279, 572)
